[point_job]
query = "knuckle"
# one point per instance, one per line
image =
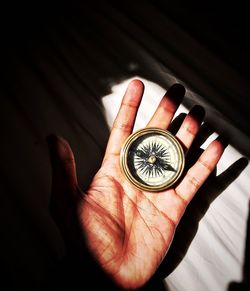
(124, 126)
(194, 181)
(205, 164)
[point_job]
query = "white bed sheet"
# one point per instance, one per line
(215, 257)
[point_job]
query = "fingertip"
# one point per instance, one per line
(134, 93)
(223, 140)
(54, 139)
(58, 146)
(198, 112)
(176, 90)
(218, 146)
(136, 84)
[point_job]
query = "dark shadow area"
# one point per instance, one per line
(199, 205)
(80, 262)
(57, 60)
(244, 285)
(222, 28)
(152, 39)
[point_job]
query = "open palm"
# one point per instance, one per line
(128, 230)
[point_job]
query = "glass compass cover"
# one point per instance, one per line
(152, 159)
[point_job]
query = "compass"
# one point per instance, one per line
(152, 159)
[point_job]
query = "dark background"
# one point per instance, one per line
(204, 44)
(59, 58)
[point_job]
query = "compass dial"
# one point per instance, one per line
(152, 159)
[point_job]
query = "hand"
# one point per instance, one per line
(129, 231)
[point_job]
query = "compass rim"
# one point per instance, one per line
(124, 157)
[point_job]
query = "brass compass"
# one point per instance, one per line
(152, 159)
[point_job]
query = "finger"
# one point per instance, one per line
(190, 126)
(125, 119)
(167, 107)
(62, 161)
(65, 193)
(200, 171)
(176, 123)
(204, 132)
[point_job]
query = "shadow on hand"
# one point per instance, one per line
(197, 208)
(79, 265)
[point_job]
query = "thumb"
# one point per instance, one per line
(64, 189)
(62, 161)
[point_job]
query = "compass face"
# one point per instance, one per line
(152, 159)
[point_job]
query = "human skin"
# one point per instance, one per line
(129, 231)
